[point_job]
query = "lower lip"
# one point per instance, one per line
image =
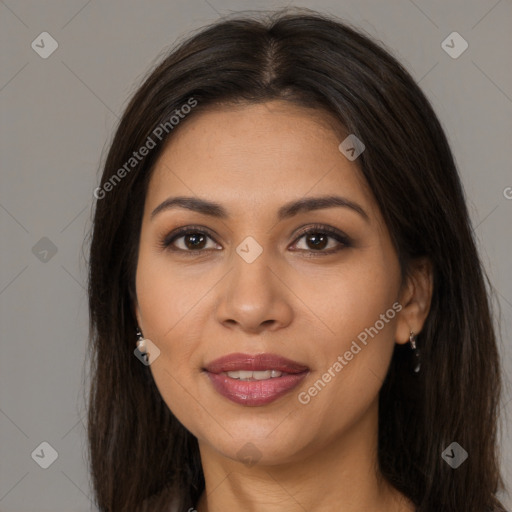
(254, 392)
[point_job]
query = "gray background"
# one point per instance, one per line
(58, 115)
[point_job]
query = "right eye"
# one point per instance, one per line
(189, 239)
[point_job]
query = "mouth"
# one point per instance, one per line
(254, 380)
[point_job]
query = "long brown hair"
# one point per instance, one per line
(140, 455)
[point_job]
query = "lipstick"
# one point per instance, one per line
(254, 380)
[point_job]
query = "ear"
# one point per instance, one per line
(136, 312)
(415, 298)
(135, 306)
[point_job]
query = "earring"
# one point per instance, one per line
(416, 351)
(141, 344)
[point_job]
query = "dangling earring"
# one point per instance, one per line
(141, 344)
(416, 352)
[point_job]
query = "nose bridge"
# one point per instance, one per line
(252, 294)
(252, 271)
(252, 278)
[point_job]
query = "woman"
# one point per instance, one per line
(288, 311)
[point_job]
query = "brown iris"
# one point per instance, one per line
(197, 241)
(319, 240)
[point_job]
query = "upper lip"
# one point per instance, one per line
(254, 362)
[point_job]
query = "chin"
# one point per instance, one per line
(256, 443)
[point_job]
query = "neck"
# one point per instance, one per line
(339, 475)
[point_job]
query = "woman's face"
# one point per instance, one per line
(250, 282)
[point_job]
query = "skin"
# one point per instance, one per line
(252, 159)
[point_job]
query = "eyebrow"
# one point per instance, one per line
(286, 211)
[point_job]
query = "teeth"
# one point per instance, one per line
(259, 375)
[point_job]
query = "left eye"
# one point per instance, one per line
(317, 240)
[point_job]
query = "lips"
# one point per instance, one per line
(254, 380)
(258, 362)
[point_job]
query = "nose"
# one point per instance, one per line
(254, 297)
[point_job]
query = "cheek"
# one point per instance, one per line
(351, 298)
(167, 317)
(359, 306)
(168, 295)
(165, 308)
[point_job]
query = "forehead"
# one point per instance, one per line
(256, 154)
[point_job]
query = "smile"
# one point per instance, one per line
(254, 380)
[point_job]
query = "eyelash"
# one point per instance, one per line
(340, 237)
